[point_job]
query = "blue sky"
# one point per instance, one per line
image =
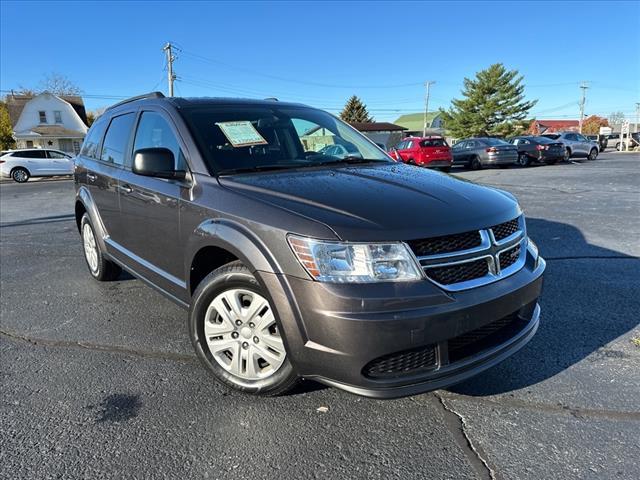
(321, 53)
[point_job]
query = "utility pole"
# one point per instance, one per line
(584, 88)
(426, 106)
(637, 115)
(170, 58)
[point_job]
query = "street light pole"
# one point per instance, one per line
(170, 75)
(584, 87)
(426, 106)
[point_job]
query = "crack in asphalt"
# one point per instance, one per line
(37, 221)
(577, 412)
(100, 347)
(457, 425)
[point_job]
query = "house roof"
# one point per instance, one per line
(550, 126)
(376, 127)
(414, 122)
(15, 105)
(49, 131)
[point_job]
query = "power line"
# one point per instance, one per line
(284, 79)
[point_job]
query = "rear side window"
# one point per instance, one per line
(434, 142)
(494, 142)
(153, 132)
(92, 141)
(31, 154)
(117, 139)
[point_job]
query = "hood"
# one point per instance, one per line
(380, 202)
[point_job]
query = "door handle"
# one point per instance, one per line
(125, 188)
(92, 177)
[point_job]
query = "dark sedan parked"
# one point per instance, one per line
(483, 152)
(537, 149)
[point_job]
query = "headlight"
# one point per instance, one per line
(337, 262)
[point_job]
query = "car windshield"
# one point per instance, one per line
(236, 138)
(434, 142)
(494, 142)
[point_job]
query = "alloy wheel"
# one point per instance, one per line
(90, 247)
(242, 335)
(523, 160)
(20, 176)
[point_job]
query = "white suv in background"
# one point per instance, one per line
(35, 162)
(576, 145)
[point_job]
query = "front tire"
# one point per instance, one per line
(567, 155)
(100, 268)
(593, 154)
(524, 160)
(236, 335)
(20, 175)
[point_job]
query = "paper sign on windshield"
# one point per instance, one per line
(241, 134)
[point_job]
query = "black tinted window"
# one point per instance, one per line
(153, 132)
(434, 142)
(552, 136)
(117, 139)
(92, 140)
(30, 154)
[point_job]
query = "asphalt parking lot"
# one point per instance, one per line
(99, 380)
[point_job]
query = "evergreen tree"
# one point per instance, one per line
(6, 132)
(493, 105)
(355, 111)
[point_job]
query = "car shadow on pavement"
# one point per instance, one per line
(589, 300)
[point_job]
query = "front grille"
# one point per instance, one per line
(509, 257)
(445, 244)
(402, 363)
(502, 231)
(460, 272)
(485, 337)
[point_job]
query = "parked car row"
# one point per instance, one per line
(478, 152)
(20, 165)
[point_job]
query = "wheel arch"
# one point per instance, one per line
(217, 242)
(85, 204)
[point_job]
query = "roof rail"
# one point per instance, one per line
(138, 97)
(274, 99)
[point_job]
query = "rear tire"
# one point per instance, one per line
(476, 164)
(567, 155)
(20, 175)
(100, 268)
(236, 341)
(445, 169)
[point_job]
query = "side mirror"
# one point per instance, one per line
(156, 162)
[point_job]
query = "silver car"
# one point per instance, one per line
(576, 145)
(483, 152)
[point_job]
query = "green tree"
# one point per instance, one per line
(493, 104)
(6, 132)
(355, 111)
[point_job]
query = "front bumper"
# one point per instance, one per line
(333, 332)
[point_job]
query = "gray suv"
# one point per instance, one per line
(576, 145)
(376, 277)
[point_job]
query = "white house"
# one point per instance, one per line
(48, 121)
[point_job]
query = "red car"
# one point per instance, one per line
(432, 151)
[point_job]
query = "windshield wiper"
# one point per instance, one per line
(256, 168)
